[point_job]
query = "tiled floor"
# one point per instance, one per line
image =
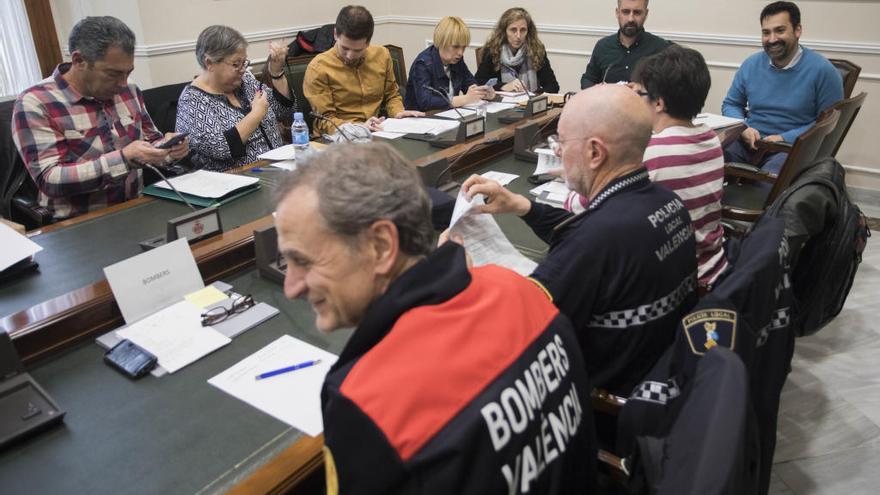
(828, 438)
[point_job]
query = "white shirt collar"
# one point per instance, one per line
(794, 61)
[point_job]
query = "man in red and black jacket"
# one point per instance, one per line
(455, 380)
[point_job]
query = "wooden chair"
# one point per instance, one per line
(849, 72)
(748, 190)
(849, 109)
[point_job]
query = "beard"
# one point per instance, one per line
(777, 50)
(631, 29)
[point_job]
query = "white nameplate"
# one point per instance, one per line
(148, 282)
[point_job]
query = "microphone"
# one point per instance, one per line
(321, 116)
(515, 75)
(182, 198)
(481, 144)
(446, 96)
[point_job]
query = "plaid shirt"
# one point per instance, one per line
(71, 144)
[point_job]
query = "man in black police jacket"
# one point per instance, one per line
(624, 269)
(455, 380)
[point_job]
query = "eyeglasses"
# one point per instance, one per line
(239, 66)
(220, 313)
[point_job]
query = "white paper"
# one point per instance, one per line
(716, 121)
(286, 152)
(547, 161)
(387, 135)
(463, 206)
(288, 165)
(553, 192)
(452, 114)
(153, 280)
(502, 178)
(515, 99)
(207, 184)
(495, 107)
(175, 335)
(416, 125)
(295, 397)
(16, 247)
(486, 243)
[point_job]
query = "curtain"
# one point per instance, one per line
(19, 67)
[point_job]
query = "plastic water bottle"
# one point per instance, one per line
(299, 132)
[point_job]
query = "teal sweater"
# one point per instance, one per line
(785, 102)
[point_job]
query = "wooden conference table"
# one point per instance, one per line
(176, 434)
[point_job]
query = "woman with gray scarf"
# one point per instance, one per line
(515, 56)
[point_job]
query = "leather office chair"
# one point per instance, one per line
(849, 109)
(161, 104)
(400, 69)
(295, 70)
(748, 190)
(18, 193)
(849, 72)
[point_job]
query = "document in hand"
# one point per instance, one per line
(16, 247)
(295, 397)
(484, 239)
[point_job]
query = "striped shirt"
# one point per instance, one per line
(71, 144)
(689, 162)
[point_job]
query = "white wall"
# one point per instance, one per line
(725, 32)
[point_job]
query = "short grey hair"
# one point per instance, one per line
(358, 184)
(93, 36)
(218, 42)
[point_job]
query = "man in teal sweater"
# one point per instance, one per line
(781, 91)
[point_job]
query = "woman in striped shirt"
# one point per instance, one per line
(686, 158)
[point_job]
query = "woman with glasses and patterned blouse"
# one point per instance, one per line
(231, 117)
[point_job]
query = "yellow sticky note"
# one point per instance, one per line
(203, 298)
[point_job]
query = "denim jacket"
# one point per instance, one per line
(427, 70)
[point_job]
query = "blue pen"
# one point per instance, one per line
(288, 369)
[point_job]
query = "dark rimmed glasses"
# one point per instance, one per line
(217, 314)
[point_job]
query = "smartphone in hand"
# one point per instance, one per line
(492, 82)
(173, 141)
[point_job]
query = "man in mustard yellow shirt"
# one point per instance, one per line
(351, 82)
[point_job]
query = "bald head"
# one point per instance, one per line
(613, 113)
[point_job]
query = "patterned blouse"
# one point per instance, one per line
(210, 120)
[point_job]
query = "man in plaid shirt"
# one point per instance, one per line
(84, 132)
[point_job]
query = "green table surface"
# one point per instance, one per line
(74, 257)
(175, 434)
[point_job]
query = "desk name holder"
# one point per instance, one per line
(25, 408)
(270, 265)
(471, 126)
(194, 226)
(534, 107)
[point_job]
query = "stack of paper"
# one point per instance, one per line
(456, 113)
(716, 121)
(553, 193)
(547, 161)
(207, 184)
(416, 125)
(175, 335)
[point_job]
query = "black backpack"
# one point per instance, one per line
(312, 41)
(827, 234)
